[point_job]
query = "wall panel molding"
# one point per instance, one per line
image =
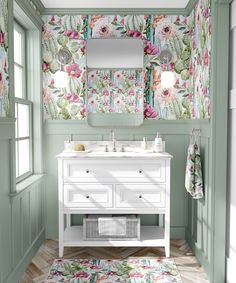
(174, 127)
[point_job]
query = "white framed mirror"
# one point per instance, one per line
(115, 86)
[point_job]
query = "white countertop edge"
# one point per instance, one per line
(108, 155)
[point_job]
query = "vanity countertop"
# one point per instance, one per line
(104, 155)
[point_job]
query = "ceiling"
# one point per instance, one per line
(159, 4)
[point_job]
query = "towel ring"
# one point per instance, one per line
(195, 135)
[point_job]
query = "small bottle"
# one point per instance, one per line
(144, 143)
(67, 145)
(157, 145)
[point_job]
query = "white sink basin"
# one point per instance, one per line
(119, 153)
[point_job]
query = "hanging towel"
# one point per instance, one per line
(193, 175)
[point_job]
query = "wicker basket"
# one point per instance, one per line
(91, 228)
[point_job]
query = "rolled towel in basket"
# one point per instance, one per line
(112, 226)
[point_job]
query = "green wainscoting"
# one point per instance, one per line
(21, 213)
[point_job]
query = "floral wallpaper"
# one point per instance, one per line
(201, 46)
(188, 38)
(119, 91)
(4, 79)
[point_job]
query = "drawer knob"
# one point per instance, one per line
(87, 196)
(140, 171)
(87, 171)
(140, 196)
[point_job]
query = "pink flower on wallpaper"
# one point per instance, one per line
(92, 75)
(198, 59)
(206, 13)
(134, 33)
(82, 274)
(72, 97)
(177, 19)
(52, 20)
(73, 70)
(118, 75)
(198, 20)
(105, 92)
(149, 112)
(205, 91)
(194, 45)
(191, 69)
(83, 112)
(167, 30)
(92, 102)
(166, 95)
(206, 57)
(72, 34)
(190, 96)
(118, 102)
(102, 28)
(131, 92)
(2, 39)
(150, 48)
(52, 83)
(136, 275)
(115, 19)
(45, 66)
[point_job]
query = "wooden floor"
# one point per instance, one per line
(187, 264)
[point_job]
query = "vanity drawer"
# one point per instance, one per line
(88, 195)
(122, 171)
(140, 195)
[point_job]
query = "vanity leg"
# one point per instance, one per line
(161, 220)
(68, 220)
(167, 233)
(61, 232)
(167, 250)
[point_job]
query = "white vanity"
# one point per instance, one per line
(114, 183)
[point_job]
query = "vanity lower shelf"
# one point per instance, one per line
(151, 236)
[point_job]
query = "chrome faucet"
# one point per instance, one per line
(113, 141)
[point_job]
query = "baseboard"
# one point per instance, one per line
(230, 269)
(15, 276)
(200, 255)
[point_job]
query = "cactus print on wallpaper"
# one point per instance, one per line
(4, 79)
(189, 39)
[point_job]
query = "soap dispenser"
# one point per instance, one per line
(157, 145)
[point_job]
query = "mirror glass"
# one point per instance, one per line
(115, 53)
(115, 82)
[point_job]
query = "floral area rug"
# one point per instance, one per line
(109, 271)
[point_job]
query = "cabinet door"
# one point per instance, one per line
(88, 195)
(140, 196)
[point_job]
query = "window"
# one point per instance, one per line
(23, 107)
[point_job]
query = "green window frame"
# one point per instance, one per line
(23, 107)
